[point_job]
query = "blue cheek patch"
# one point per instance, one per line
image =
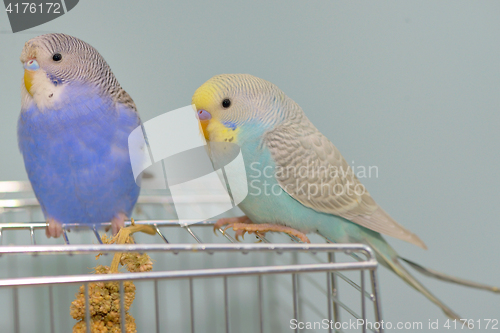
(56, 81)
(230, 124)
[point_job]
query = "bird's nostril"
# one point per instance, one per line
(204, 115)
(31, 65)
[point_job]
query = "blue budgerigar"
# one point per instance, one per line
(73, 134)
(298, 182)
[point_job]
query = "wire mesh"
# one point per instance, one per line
(201, 282)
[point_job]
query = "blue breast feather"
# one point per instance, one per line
(76, 156)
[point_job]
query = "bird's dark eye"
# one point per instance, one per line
(57, 57)
(226, 103)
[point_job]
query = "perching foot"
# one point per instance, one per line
(243, 224)
(231, 220)
(118, 222)
(266, 227)
(53, 229)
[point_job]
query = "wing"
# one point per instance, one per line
(312, 171)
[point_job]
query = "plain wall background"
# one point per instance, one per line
(411, 87)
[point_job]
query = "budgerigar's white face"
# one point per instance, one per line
(39, 65)
(53, 61)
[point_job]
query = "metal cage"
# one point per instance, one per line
(201, 282)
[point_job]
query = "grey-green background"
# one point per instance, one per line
(411, 87)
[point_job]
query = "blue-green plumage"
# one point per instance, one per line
(296, 177)
(267, 202)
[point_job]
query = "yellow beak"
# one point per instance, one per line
(28, 80)
(204, 118)
(30, 67)
(204, 124)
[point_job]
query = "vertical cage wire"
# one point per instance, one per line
(332, 310)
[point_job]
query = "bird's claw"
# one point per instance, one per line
(229, 221)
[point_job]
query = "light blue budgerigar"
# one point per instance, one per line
(73, 134)
(298, 182)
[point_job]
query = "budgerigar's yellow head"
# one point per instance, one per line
(228, 103)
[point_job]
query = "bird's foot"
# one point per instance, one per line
(243, 224)
(266, 227)
(231, 220)
(53, 229)
(118, 222)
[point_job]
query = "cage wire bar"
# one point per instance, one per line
(364, 261)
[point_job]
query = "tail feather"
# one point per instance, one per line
(395, 266)
(448, 278)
